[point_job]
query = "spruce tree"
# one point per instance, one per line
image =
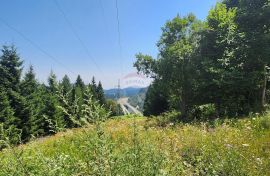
(52, 112)
(78, 88)
(66, 85)
(52, 81)
(79, 82)
(29, 83)
(93, 86)
(78, 95)
(10, 71)
(100, 94)
(33, 94)
(10, 68)
(8, 120)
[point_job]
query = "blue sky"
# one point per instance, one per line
(95, 22)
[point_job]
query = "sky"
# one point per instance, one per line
(81, 36)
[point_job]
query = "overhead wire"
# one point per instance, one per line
(36, 45)
(85, 48)
(119, 35)
(105, 21)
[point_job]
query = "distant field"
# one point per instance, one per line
(137, 146)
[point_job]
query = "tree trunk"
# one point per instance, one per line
(183, 107)
(264, 88)
(184, 91)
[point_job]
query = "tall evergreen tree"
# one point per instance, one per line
(52, 81)
(29, 83)
(79, 82)
(52, 112)
(10, 68)
(94, 87)
(78, 95)
(8, 120)
(100, 94)
(10, 71)
(66, 85)
(34, 95)
(156, 100)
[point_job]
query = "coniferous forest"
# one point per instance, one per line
(33, 109)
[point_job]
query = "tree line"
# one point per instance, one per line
(220, 65)
(29, 108)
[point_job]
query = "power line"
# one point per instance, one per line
(104, 18)
(36, 45)
(119, 34)
(77, 36)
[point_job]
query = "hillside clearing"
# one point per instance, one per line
(138, 146)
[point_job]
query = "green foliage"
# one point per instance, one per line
(167, 118)
(113, 107)
(223, 61)
(265, 123)
(10, 68)
(138, 99)
(100, 94)
(30, 109)
(8, 122)
(82, 114)
(204, 112)
(125, 147)
(156, 101)
(66, 84)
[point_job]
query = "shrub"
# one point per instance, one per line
(167, 118)
(265, 122)
(203, 112)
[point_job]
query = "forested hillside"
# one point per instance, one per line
(138, 99)
(32, 109)
(221, 64)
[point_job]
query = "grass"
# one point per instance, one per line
(140, 146)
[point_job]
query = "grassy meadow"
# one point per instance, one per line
(139, 146)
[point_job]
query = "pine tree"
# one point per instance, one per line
(65, 84)
(8, 120)
(10, 68)
(100, 94)
(52, 81)
(52, 112)
(78, 95)
(79, 82)
(94, 87)
(10, 71)
(78, 89)
(29, 83)
(33, 94)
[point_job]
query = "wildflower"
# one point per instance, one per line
(259, 160)
(228, 145)
(245, 145)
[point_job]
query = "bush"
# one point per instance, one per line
(167, 118)
(204, 112)
(265, 122)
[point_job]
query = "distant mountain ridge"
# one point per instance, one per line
(126, 92)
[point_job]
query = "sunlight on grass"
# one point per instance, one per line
(138, 146)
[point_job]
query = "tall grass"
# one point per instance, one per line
(136, 146)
